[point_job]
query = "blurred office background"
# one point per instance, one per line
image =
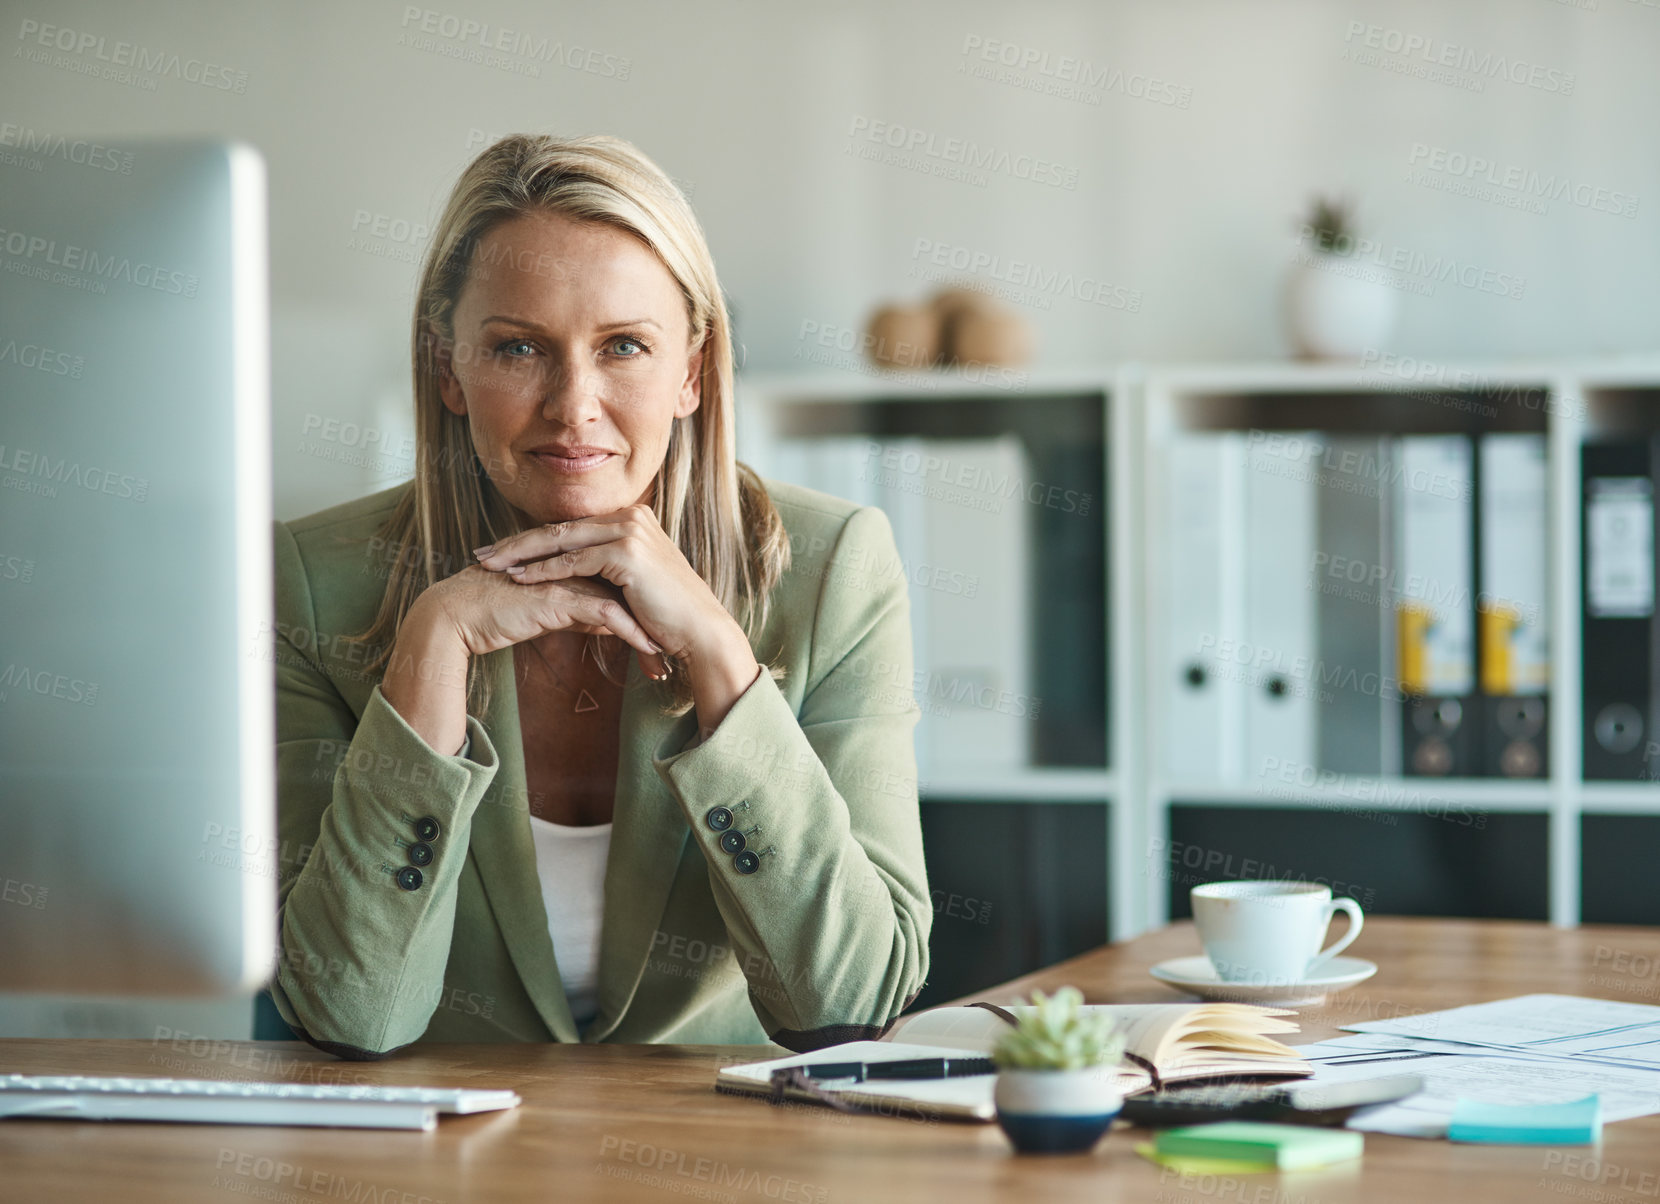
(1163, 156)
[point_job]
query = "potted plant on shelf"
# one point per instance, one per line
(1338, 305)
(1057, 1086)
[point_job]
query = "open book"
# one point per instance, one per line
(1175, 1041)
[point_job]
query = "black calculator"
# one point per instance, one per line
(1287, 1103)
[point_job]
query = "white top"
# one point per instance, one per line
(570, 861)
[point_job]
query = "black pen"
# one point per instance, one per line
(914, 1068)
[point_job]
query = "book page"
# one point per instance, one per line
(1158, 1032)
(1166, 1034)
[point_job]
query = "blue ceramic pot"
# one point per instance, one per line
(1057, 1111)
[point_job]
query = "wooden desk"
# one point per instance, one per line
(643, 1123)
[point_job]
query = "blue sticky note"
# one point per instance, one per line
(1576, 1122)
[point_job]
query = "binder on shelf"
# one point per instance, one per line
(1351, 565)
(969, 564)
(1435, 603)
(898, 493)
(1201, 602)
(833, 464)
(1279, 651)
(961, 528)
(850, 468)
(1618, 613)
(1513, 649)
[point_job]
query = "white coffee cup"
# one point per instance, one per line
(1269, 933)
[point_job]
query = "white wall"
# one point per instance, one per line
(754, 105)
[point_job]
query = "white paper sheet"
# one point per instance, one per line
(1487, 1075)
(1360, 1048)
(1532, 1021)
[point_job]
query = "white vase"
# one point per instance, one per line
(1339, 307)
(1056, 1111)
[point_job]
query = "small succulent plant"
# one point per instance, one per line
(1330, 225)
(1056, 1035)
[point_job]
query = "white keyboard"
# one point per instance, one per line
(213, 1101)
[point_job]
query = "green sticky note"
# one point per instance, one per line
(1201, 1166)
(1285, 1147)
(1576, 1122)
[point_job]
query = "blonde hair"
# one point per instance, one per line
(714, 508)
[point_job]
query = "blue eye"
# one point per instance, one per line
(638, 346)
(514, 343)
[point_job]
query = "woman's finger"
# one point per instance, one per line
(656, 667)
(598, 610)
(599, 560)
(549, 540)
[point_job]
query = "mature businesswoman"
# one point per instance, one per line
(587, 733)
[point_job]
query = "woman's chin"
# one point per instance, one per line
(565, 502)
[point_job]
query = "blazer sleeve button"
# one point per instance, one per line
(426, 829)
(409, 878)
(420, 853)
(718, 818)
(746, 862)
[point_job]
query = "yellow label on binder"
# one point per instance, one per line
(1498, 623)
(1413, 622)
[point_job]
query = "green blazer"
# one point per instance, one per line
(826, 940)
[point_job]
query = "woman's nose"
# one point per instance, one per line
(572, 393)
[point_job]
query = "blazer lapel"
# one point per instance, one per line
(648, 835)
(506, 855)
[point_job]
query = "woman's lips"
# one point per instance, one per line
(583, 463)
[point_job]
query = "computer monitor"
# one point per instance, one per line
(137, 813)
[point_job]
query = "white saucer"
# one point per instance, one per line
(1197, 976)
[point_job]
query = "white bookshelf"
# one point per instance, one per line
(1145, 406)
